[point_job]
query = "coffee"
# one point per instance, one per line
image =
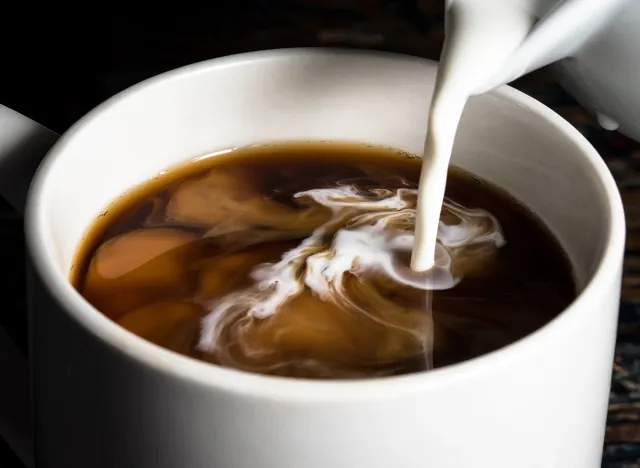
(293, 260)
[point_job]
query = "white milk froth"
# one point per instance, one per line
(370, 232)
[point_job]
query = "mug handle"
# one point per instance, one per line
(23, 145)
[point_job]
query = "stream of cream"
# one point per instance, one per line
(480, 36)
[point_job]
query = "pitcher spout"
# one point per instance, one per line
(557, 29)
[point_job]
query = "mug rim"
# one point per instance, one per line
(162, 360)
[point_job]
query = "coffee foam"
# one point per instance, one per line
(370, 234)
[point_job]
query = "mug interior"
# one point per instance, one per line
(504, 137)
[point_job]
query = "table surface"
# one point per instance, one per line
(407, 26)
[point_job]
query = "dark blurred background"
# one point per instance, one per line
(59, 60)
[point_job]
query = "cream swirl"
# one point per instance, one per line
(370, 233)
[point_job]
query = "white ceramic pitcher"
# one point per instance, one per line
(493, 42)
(594, 44)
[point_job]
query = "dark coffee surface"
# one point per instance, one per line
(163, 257)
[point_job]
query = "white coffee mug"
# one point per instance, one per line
(105, 398)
